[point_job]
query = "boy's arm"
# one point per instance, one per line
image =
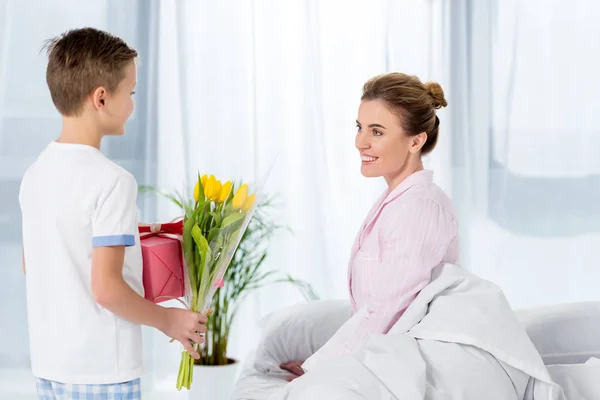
(114, 227)
(112, 292)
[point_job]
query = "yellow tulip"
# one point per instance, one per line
(203, 180)
(216, 190)
(208, 187)
(197, 191)
(249, 202)
(225, 190)
(240, 197)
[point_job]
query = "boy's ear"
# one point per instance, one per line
(99, 97)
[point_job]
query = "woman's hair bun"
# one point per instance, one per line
(437, 94)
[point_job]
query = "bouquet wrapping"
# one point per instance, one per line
(213, 225)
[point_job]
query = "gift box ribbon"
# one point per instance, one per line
(172, 229)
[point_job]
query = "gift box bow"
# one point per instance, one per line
(170, 229)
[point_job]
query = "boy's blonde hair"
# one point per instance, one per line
(81, 60)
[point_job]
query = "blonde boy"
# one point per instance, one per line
(81, 251)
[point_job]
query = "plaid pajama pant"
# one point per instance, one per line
(49, 390)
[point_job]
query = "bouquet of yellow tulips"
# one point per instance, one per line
(214, 223)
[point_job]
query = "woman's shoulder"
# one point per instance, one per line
(423, 200)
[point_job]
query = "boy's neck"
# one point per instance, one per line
(78, 130)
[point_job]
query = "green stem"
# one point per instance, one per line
(191, 369)
(186, 375)
(181, 377)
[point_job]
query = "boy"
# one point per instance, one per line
(81, 251)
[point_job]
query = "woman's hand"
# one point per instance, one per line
(293, 367)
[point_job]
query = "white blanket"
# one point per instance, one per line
(459, 339)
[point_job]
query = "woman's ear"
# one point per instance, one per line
(417, 142)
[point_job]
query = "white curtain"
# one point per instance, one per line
(545, 82)
(234, 88)
(249, 84)
(526, 157)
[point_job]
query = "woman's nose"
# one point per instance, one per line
(360, 142)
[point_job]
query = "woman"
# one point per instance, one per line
(412, 228)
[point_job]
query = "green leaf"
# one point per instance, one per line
(231, 219)
(201, 197)
(212, 234)
(188, 250)
(218, 218)
(175, 199)
(305, 288)
(187, 238)
(231, 194)
(200, 240)
(204, 260)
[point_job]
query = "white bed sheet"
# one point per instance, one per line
(579, 381)
(255, 385)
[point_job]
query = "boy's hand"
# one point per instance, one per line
(112, 292)
(185, 326)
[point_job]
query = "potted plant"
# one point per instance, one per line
(215, 372)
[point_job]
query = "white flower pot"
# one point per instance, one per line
(214, 382)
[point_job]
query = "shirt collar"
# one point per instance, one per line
(422, 176)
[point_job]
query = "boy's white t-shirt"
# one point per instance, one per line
(72, 199)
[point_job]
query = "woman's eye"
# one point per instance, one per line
(377, 133)
(132, 93)
(358, 128)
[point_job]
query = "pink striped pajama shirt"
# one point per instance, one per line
(406, 234)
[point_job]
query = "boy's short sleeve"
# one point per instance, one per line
(114, 221)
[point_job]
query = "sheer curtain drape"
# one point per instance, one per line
(525, 145)
(235, 88)
(268, 83)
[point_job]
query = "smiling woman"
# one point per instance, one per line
(409, 232)
(411, 229)
(397, 123)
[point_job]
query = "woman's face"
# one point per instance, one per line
(384, 147)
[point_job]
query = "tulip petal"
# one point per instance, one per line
(240, 197)
(249, 202)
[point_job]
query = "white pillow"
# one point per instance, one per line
(579, 381)
(565, 333)
(297, 332)
(562, 334)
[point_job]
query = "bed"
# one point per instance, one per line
(564, 337)
(567, 337)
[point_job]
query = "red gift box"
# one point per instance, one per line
(162, 259)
